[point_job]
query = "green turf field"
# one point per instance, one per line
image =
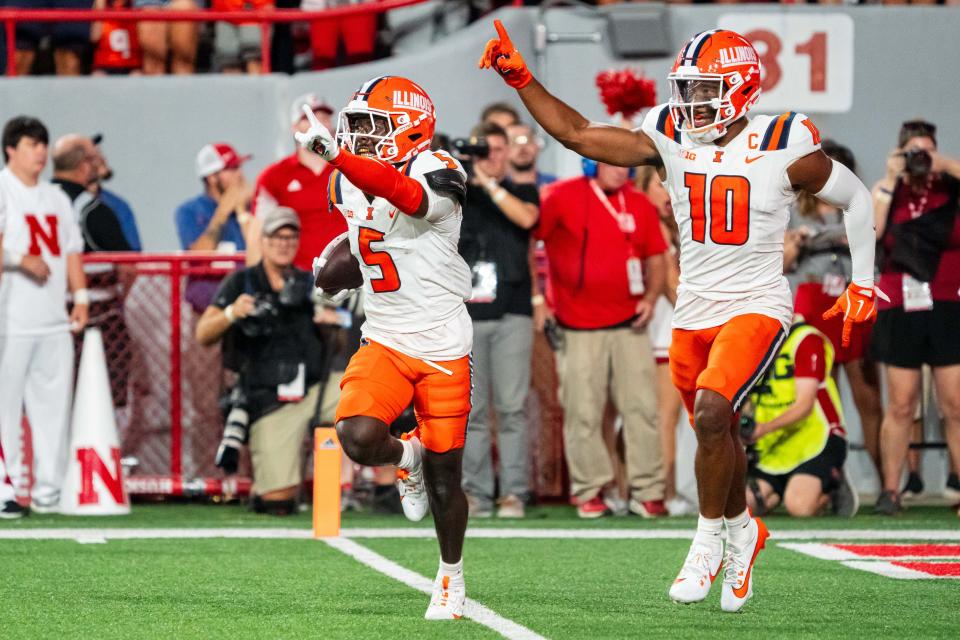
(556, 588)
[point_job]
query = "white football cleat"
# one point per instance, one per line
(738, 574)
(447, 600)
(699, 571)
(410, 484)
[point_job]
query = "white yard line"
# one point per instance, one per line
(96, 534)
(472, 609)
(830, 552)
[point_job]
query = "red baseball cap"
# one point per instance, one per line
(217, 157)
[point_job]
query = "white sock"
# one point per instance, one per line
(455, 571)
(410, 457)
(738, 528)
(708, 532)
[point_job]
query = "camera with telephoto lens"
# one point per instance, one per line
(917, 162)
(235, 431)
(259, 322)
(466, 150)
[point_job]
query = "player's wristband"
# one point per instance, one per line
(81, 296)
(228, 311)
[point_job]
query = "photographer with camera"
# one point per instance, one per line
(495, 242)
(916, 206)
(265, 316)
(796, 443)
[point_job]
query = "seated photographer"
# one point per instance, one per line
(796, 440)
(265, 316)
(916, 207)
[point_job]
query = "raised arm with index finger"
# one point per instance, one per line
(598, 141)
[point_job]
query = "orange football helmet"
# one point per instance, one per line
(714, 81)
(389, 117)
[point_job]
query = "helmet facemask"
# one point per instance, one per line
(700, 103)
(369, 132)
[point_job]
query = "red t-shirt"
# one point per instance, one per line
(946, 282)
(119, 45)
(587, 251)
(810, 362)
(288, 183)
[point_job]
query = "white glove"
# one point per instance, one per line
(332, 300)
(317, 138)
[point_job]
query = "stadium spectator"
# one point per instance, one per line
(299, 181)
(117, 45)
(797, 433)
(669, 403)
(502, 114)
(75, 164)
(607, 269)
(916, 205)
(495, 242)
(357, 33)
(41, 262)
(817, 262)
(70, 40)
(121, 208)
(523, 154)
(236, 47)
(75, 170)
(162, 40)
(264, 315)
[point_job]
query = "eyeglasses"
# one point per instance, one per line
(285, 237)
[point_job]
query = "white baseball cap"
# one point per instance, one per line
(216, 157)
(312, 100)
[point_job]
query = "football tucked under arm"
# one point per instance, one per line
(336, 271)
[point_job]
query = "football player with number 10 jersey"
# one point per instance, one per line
(731, 181)
(402, 204)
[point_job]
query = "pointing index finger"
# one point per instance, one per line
(505, 41)
(311, 116)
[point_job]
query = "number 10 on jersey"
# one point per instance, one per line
(723, 206)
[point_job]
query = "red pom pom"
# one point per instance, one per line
(625, 92)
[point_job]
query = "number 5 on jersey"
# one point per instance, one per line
(389, 279)
(729, 208)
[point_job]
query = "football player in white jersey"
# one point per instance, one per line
(731, 181)
(402, 204)
(42, 249)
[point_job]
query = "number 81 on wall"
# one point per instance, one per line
(807, 59)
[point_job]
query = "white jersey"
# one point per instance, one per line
(732, 205)
(39, 222)
(414, 280)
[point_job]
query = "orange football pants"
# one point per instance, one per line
(380, 382)
(728, 359)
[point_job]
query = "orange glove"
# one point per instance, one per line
(505, 59)
(858, 304)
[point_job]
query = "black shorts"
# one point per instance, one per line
(65, 35)
(910, 340)
(827, 466)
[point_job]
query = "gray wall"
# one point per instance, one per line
(154, 126)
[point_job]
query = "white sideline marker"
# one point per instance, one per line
(472, 609)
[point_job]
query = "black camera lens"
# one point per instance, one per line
(473, 147)
(917, 162)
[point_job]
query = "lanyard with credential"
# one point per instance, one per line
(624, 220)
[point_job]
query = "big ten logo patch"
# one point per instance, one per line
(43, 229)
